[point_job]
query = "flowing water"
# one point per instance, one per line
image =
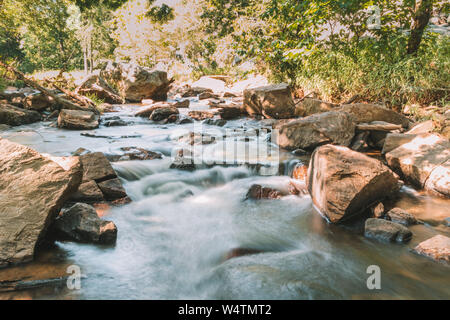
(179, 237)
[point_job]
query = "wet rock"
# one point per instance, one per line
(300, 172)
(136, 83)
(33, 189)
(425, 162)
(273, 101)
(310, 132)
(395, 140)
(240, 252)
(112, 189)
(201, 115)
(147, 111)
(257, 192)
(446, 222)
(207, 95)
(378, 211)
(81, 223)
(96, 86)
(134, 153)
(436, 248)
(365, 113)
(116, 123)
(181, 104)
(197, 138)
(311, 106)
(163, 113)
(121, 201)
(14, 116)
(38, 102)
(88, 192)
(77, 120)
(216, 122)
(194, 91)
(229, 112)
(344, 183)
(184, 120)
(96, 167)
(299, 152)
(401, 216)
(386, 231)
(297, 187)
(4, 127)
(228, 94)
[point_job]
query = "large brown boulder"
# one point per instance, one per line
(273, 101)
(96, 167)
(77, 120)
(344, 183)
(33, 189)
(366, 113)
(436, 248)
(136, 83)
(15, 116)
(310, 132)
(96, 86)
(38, 102)
(424, 162)
(310, 106)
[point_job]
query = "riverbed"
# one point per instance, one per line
(179, 236)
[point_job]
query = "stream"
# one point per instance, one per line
(175, 237)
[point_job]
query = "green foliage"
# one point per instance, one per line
(162, 14)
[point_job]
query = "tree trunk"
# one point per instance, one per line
(422, 15)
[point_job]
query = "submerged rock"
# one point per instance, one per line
(112, 189)
(14, 116)
(344, 183)
(201, 115)
(273, 101)
(163, 113)
(33, 189)
(436, 248)
(77, 120)
(257, 192)
(310, 132)
(401, 216)
(81, 223)
(386, 231)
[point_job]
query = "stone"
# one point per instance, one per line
(365, 113)
(81, 223)
(273, 101)
(33, 188)
(229, 112)
(378, 126)
(423, 127)
(417, 159)
(163, 113)
(436, 248)
(183, 104)
(401, 216)
(344, 183)
(134, 153)
(216, 122)
(215, 85)
(147, 112)
(201, 115)
(257, 192)
(309, 106)
(38, 102)
(310, 132)
(88, 192)
(194, 91)
(112, 189)
(96, 86)
(378, 211)
(395, 140)
(359, 143)
(207, 95)
(77, 120)
(14, 116)
(96, 167)
(386, 231)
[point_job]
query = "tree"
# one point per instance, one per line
(421, 17)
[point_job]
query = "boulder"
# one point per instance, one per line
(96, 86)
(37, 102)
(215, 122)
(395, 140)
(88, 192)
(33, 189)
(310, 132)
(207, 95)
(436, 248)
(309, 106)
(136, 83)
(344, 183)
(182, 104)
(273, 101)
(229, 112)
(15, 116)
(365, 113)
(147, 111)
(112, 189)
(257, 192)
(424, 161)
(422, 127)
(215, 85)
(194, 91)
(163, 113)
(401, 216)
(96, 167)
(386, 231)
(81, 223)
(134, 153)
(77, 120)
(201, 115)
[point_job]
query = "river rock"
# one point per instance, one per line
(15, 116)
(229, 112)
(395, 140)
(201, 115)
(310, 132)
(386, 231)
(436, 248)
(215, 85)
(134, 153)
(96, 86)
(366, 113)
(401, 216)
(183, 104)
(77, 120)
(136, 83)
(88, 192)
(311, 106)
(344, 183)
(33, 189)
(112, 189)
(378, 210)
(147, 111)
(37, 102)
(194, 91)
(273, 101)
(215, 122)
(207, 95)
(96, 167)
(424, 162)
(81, 223)
(422, 127)
(163, 113)
(257, 192)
